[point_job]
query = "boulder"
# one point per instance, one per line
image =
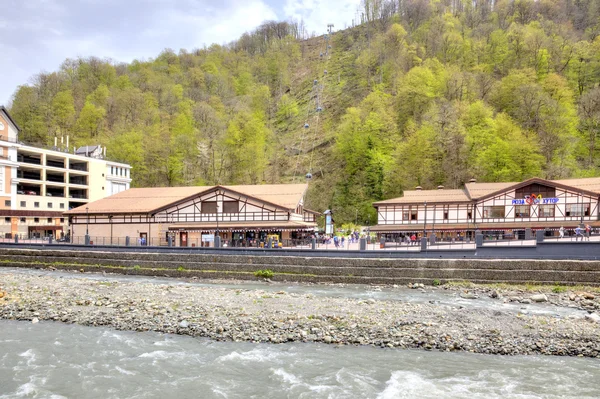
(539, 298)
(593, 317)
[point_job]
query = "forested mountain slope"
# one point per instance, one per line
(420, 93)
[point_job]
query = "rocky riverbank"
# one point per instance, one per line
(266, 316)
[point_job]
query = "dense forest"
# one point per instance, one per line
(417, 93)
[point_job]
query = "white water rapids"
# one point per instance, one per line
(55, 360)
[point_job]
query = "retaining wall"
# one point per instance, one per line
(305, 268)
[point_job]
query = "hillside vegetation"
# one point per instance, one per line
(419, 93)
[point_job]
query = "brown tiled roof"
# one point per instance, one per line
(147, 200)
(138, 200)
(589, 184)
(285, 195)
(478, 190)
(243, 225)
(431, 196)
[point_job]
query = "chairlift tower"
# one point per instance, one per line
(329, 28)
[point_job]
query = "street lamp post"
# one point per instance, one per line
(217, 236)
(425, 222)
(87, 224)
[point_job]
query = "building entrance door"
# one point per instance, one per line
(183, 239)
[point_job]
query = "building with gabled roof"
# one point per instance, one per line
(192, 216)
(503, 209)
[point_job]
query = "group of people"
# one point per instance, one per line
(584, 233)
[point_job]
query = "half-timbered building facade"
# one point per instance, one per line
(502, 209)
(192, 216)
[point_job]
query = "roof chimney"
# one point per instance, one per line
(418, 188)
(473, 181)
(440, 187)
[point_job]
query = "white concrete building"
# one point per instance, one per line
(37, 185)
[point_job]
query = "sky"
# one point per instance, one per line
(38, 35)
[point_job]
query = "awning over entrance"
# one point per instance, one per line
(43, 228)
(397, 228)
(244, 226)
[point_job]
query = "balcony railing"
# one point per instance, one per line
(55, 164)
(29, 160)
(6, 138)
(224, 217)
(55, 179)
(82, 168)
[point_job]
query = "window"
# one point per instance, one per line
(231, 207)
(23, 220)
(36, 220)
(406, 214)
(62, 220)
(413, 213)
(7, 220)
(209, 207)
(49, 204)
(112, 172)
(546, 211)
(62, 206)
(36, 204)
(576, 209)
(7, 203)
(493, 212)
(522, 211)
(49, 220)
(446, 212)
(23, 204)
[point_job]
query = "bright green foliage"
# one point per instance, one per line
(419, 93)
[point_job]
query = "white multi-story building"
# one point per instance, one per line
(507, 209)
(37, 185)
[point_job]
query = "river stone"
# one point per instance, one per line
(35, 320)
(539, 298)
(468, 295)
(593, 317)
(184, 324)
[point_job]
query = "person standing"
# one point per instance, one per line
(578, 233)
(561, 232)
(588, 231)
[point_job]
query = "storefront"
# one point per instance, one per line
(497, 210)
(193, 216)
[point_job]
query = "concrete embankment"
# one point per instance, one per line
(313, 269)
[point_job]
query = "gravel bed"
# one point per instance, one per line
(261, 316)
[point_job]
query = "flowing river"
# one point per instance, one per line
(55, 360)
